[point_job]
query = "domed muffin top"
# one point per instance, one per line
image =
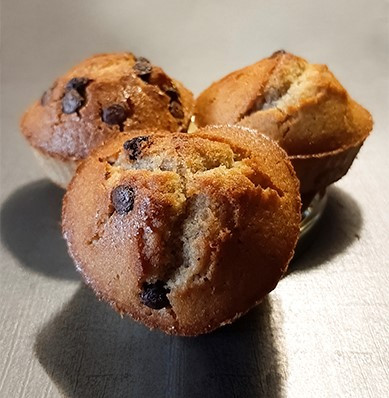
(184, 232)
(100, 97)
(300, 105)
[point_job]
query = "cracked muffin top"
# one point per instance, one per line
(100, 97)
(300, 105)
(184, 232)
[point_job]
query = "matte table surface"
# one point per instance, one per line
(323, 332)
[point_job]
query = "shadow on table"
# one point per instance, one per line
(338, 228)
(89, 351)
(30, 229)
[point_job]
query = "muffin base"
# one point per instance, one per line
(318, 171)
(57, 170)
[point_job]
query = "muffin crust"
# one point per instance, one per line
(100, 97)
(300, 105)
(189, 233)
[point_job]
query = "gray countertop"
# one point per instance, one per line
(322, 333)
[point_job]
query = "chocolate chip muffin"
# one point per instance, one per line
(300, 105)
(184, 232)
(97, 99)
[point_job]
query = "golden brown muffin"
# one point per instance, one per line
(97, 99)
(184, 232)
(300, 105)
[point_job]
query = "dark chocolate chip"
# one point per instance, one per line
(142, 59)
(115, 114)
(279, 52)
(72, 101)
(122, 198)
(169, 89)
(77, 83)
(45, 97)
(171, 92)
(143, 68)
(74, 96)
(154, 295)
(134, 146)
(165, 84)
(176, 110)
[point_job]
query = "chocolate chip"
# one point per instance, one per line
(122, 198)
(143, 68)
(142, 59)
(77, 83)
(160, 79)
(72, 101)
(171, 92)
(175, 109)
(74, 96)
(154, 295)
(134, 146)
(115, 114)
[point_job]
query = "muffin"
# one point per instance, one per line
(97, 99)
(183, 232)
(300, 105)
